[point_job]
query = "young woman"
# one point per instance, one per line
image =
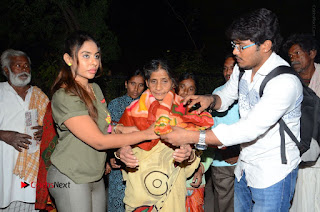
(157, 179)
(135, 84)
(79, 111)
(187, 84)
(195, 184)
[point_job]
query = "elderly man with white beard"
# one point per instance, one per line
(19, 167)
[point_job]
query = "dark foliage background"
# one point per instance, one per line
(189, 34)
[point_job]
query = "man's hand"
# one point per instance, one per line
(197, 177)
(204, 100)
(183, 153)
(38, 134)
(15, 139)
(180, 136)
(127, 157)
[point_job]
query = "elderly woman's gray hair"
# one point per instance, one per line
(6, 58)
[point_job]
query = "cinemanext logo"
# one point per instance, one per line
(44, 185)
(24, 184)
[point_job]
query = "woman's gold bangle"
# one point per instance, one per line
(193, 158)
(116, 156)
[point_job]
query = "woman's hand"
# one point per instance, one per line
(197, 177)
(150, 134)
(108, 169)
(183, 153)
(127, 156)
(113, 163)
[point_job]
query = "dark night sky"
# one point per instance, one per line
(146, 29)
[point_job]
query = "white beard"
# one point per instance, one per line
(16, 81)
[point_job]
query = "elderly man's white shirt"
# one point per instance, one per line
(12, 117)
(257, 131)
(307, 193)
(315, 86)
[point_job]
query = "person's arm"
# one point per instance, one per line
(197, 177)
(219, 101)
(207, 158)
(180, 136)
(206, 161)
(84, 128)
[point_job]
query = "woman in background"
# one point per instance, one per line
(135, 86)
(196, 183)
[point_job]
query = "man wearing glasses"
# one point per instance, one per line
(263, 182)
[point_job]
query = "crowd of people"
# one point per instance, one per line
(158, 150)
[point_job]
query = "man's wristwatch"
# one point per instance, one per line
(201, 145)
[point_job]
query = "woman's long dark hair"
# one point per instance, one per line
(137, 72)
(66, 80)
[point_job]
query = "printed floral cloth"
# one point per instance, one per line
(170, 112)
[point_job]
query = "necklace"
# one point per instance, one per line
(108, 119)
